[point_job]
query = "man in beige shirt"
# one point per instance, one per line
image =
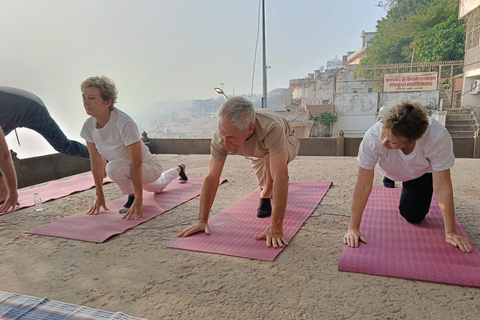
(268, 141)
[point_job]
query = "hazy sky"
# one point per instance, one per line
(157, 50)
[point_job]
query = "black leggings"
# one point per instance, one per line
(416, 198)
(41, 122)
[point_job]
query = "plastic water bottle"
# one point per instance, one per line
(38, 202)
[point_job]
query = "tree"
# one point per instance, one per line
(387, 4)
(407, 22)
(446, 41)
(327, 119)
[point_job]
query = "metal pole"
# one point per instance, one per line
(451, 86)
(411, 63)
(440, 77)
(264, 104)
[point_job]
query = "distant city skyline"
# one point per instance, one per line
(158, 50)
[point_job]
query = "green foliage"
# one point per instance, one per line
(386, 4)
(326, 118)
(445, 41)
(407, 24)
(398, 10)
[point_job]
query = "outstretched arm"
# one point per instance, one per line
(363, 187)
(279, 171)
(442, 186)
(207, 196)
(8, 171)
(97, 164)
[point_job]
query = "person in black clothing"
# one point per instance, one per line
(20, 108)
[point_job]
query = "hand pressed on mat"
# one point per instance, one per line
(353, 237)
(97, 205)
(455, 240)
(274, 235)
(199, 226)
(135, 210)
(10, 203)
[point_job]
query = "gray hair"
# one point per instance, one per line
(238, 111)
(107, 88)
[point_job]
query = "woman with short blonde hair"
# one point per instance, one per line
(411, 147)
(113, 136)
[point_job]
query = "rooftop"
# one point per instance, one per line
(135, 273)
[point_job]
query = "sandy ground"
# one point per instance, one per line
(136, 274)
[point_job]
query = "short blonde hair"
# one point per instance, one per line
(107, 88)
(406, 120)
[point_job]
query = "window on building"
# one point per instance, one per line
(472, 38)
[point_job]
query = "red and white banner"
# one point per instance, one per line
(410, 82)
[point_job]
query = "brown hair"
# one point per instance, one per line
(406, 120)
(107, 88)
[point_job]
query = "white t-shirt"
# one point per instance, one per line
(112, 140)
(433, 151)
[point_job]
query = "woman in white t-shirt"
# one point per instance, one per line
(410, 147)
(113, 136)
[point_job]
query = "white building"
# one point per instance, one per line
(469, 10)
(334, 64)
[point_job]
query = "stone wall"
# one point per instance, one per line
(426, 98)
(356, 113)
(36, 170)
(462, 147)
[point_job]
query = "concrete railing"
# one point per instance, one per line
(55, 166)
(308, 146)
(36, 170)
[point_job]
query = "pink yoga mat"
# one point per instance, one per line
(56, 189)
(400, 249)
(109, 223)
(233, 230)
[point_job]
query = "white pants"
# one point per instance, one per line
(152, 177)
